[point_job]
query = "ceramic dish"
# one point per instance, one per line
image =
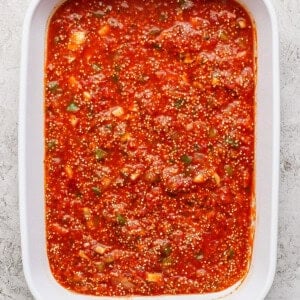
(31, 155)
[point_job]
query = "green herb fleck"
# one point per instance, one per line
(166, 251)
(99, 13)
(230, 253)
(179, 103)
(96, 67)
(157, 46)
(199, 255)
(187, 171)
(100, 154)
(117, 68)
(186, 159)
(155, 31)
(196, 147)
(115, 78)
(223, 35)
(57, 39)
(52, 144)
(167, 261)
(212, 132)
(100, 266)
(72, 107)
(143, 78)
(109, 127)
(232, 142)
(163, 17)
(121, 219)
(53, 86)
(228, 169)
(96, 190)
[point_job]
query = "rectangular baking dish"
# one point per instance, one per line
(31, 155)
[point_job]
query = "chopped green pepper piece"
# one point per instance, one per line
(96, 67)
(72, 107)
(186, 159)
(100, 154)
(96, 190)
(121, 220)
(179, 103)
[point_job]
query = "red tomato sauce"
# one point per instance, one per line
(149, 145)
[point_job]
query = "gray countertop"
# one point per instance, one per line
(287, 281)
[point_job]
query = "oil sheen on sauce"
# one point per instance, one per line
(149, 145)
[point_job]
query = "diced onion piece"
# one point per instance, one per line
(87, 95)
(200, 272)
(74, 83)
(100, 249)
(151, 176)
(217, 178)
(104, 30)
(199, 178)
(188, 59)
(82, 254)
(76, 39)
(74, 120)
(134, 107)
(189, 126)
(59, 229)
(106, 181)
(241, 23)
(134, 176)
(87, 213)
(70, 58)
(215, 80)
(197, 85)
(100, 266)
(125, 137)
(153, 277)
(118, 111)
(124, 282)
(108, 259)
(69, 171)
(184, 78)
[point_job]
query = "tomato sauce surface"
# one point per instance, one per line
(149, 145)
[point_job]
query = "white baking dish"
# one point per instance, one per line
(31, 154)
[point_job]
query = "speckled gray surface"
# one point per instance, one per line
(287, 281)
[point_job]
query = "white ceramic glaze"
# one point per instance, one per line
(31, 154)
